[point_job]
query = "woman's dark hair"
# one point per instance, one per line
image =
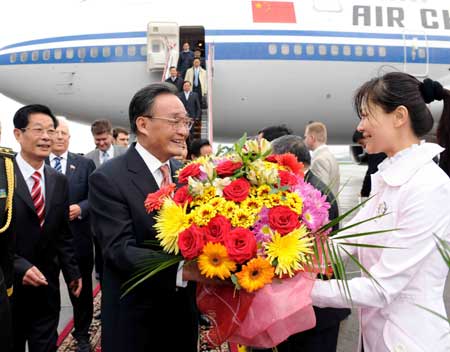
(398, 88)
(22, 116)
(195, 145)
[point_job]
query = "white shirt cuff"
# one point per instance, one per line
(180, 281)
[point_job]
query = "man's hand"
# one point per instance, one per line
(76, 286)
(191, 272)
(34, 277)
(74, 211)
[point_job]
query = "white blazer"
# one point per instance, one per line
(325, 166)
(414, 193)
(202, 76)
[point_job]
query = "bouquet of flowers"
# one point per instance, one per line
(248, 217)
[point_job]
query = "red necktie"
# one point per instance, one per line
(166, 175)
(38, 198)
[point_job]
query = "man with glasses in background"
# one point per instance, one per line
(43, 237)
(159, 314)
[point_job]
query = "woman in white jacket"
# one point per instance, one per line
(414, 194)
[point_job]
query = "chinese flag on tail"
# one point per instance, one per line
(273, 11)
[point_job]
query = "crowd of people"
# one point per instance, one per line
(64, 202)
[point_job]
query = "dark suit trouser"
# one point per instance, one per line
(83, 306)
(35, 312)
(5, 318)
(98, 259)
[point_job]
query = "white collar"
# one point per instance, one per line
(26, 169)
(319, 148)
(398, 169)
(152, 162)
(62, 156)
(110, 151)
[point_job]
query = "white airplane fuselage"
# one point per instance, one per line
(97, 56)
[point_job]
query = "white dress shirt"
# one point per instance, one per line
(63, 161)
(154, 165)
(27, 170)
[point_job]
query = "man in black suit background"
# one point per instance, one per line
(43, 238)
(175, 79)
(159, 314)
(77, 170)
(323, 337)
(191, 101)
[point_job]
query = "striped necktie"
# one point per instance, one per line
(57, 164)
(105, 156)
(38, 198)
(166, 175)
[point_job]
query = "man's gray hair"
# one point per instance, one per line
(292, 144)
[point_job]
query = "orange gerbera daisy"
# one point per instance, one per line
(257, 273)
(214, 261)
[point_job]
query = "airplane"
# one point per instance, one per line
(268, 62)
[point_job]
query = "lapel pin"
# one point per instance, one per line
(72, 167)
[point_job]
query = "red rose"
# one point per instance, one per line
(287, 178)
(283, 219)
(182, 196)
(241, 245)
(218, 229)
(190, 170)
(228, 167)
(237, 190)
(191, 242)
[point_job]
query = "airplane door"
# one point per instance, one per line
(416, 54)
(162, 45)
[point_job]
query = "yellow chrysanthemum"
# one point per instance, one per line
(289, 251)
(170, 221)
(203, 214)
(228, 208)
(208, 193)
(252, 204)
(263, 191)
(294, 202)
(257, 273)
(217, 202)
(214, 261)
(243, 217)
(273, 200)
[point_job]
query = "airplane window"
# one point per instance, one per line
(297, 49)
(347, 50)
(35, 55)
(144, 50)
(93, 52)
(13, 57)
(358, 50)
(382, 51)
(285, 49)
(118, 51)
(310, 49)
(58, 54)
(322, 50)
(273, 49)
(69, 53)
(422, 53)
(131, 50)
(106, 51)
(334, 50)
(370, 51)
(46, 55)
(81, 52)
(23, 56)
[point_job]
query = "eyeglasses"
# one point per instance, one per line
(38, 131)
(185, 122)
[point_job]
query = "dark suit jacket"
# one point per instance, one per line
(327, 317)
(156, 310)
(177, 83)
(192, 105)
(77, 173)
(50, 248)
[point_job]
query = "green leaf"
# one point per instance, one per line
(356, 261)
(361, 234)
(234, 280)
(367, 245)
(433, 312)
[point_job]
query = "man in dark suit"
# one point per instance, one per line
(159, 314)
(6, 247)
(43, 238)
(185, 59)
(77, 170)
(175, 79)
(191, 101)
(323, 337)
